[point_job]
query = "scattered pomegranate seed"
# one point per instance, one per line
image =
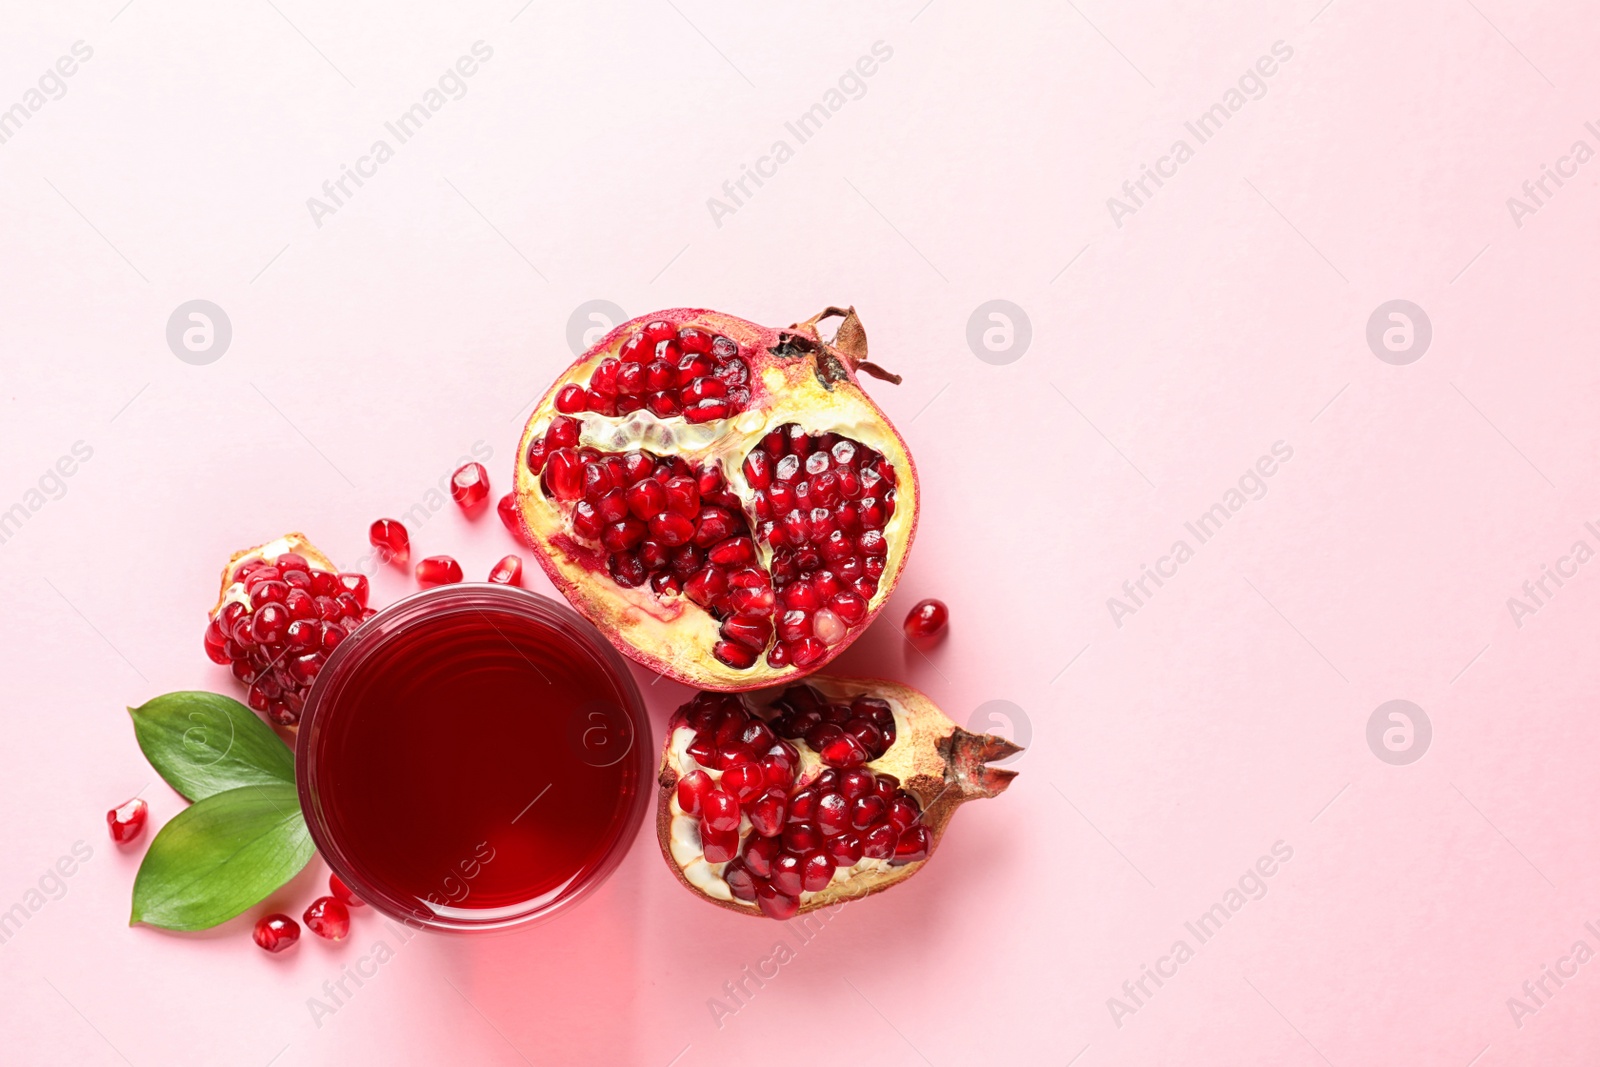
(469, 486)
(510, 514)
(389, 537)
(127, 820)
(507, 572)
(438, 570)
(276, 932)
(341, 892)
(327, 917)
(926, 622)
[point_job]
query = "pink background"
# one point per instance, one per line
(1167, 754)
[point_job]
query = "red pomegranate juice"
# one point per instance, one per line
(474, 757)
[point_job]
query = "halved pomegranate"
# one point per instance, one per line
(284, 606)
(720, 498)
(784, 801)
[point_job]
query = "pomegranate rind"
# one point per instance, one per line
(289, 542)
(937, 762)
(817, 390)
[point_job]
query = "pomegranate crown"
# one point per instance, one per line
(845, 352)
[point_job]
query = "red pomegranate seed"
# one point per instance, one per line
(741, 883)
(570, 399)
(276, 932)
(829, 628)
(769, 812)
(732, 755)
(728, 726)
(914, 845)
(787, 874)
(902, 814)
(833, 814)
(270, 622)
(745, 782)
(752, 631)
(807, 651)
(703, 751)
(776, 905)
(803, 805)
(761, 853)
(879, 842)
(844, 850)
(871, 738)
(800, 838)
(511, 516)
(739, 657)
(816, 872)
(683, 496)
(857, 783)
(758, 735)
(719, 811)
(693, 788)
(867, 811)
(327, 917)
(843, 751)
(356, 585)
(926, 621)
(563, 472)
(389, 537)
(469, 486)
(647, 499)
(438, 570)
(627, 569)
(719, 846)
(507, 572)
(342, 894)
(127, 820)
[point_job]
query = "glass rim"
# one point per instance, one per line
(370, 637)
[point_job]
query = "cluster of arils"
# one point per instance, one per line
(283, 609)
(781, 832)
(669, 371)
(821, 502)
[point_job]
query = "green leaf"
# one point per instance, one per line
(219, 856)
(205, 743)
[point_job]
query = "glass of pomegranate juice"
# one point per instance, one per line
(474, 757)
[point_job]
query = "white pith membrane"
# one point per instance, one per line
(670, 633)
(938, 765)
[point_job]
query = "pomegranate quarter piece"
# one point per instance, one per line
(282, 609)
(720, 498)
(780, 802)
